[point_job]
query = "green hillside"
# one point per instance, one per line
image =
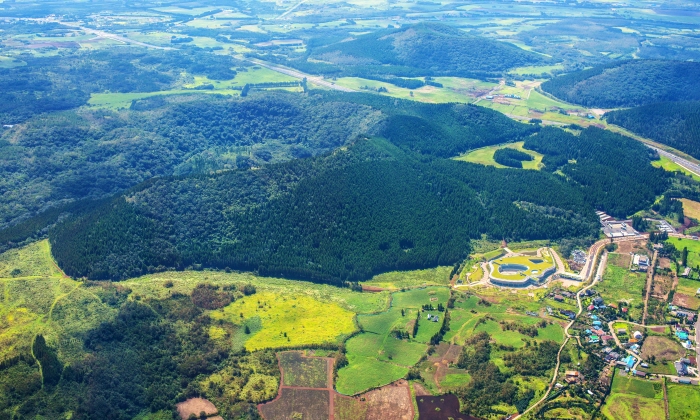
(676, 124)
(426, 49)
(628, 83)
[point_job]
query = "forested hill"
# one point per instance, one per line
(370, 208)
(425, 49)
(676, 124)
(105, 152)
(344, 216)
(628, 84)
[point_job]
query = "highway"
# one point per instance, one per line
(295, 73)
(692, 167)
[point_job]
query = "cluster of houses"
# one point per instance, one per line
(682, 313)
(682, 366)
(640, 262)
(578, 260)
(433, 318)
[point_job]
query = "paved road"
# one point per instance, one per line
(296, 73)
(291, 9)
(692, 167)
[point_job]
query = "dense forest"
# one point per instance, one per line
(676, 124)
(425, 49)
(340, 217)
(55, 83)
(152, 355)
(628, 84)
(511, 157)
(83, 154)
(612, 171)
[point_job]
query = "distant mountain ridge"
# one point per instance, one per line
(428, 49)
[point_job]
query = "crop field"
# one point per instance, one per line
(298, 403)
(619, 284)
(687, 288)
(394, 280)
(683, 401)
(288, 320)
(484, 156)
(376, 357)
(633, 399)
(309, 372)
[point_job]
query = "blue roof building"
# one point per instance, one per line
(630, 361)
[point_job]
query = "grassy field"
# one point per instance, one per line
(634, 399)
(693, 249)
(691, 208)
(376, 357)
(671, 166)
(439, 276)
(689, 288)
(619, 284)
(34, 260)
(537, 69)
(288, 320)
(683, 401)
(484, 156)
(311, 372)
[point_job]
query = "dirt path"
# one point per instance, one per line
(668, 417)
(329, 386)
(650, 279)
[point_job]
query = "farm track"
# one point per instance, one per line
(650, 279)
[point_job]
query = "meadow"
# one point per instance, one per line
(683, 401)
(393, 280)
(619, 284)
(691, 208)
(376, 356)
(671, 166)
(484, 156)
(693, 250)
(689, 288)
(632, 399)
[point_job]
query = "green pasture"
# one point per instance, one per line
(632, 398)
(683, 401)
(406, 279)
(693, 251)
(428, 94)
(484, 156)
(620, 284)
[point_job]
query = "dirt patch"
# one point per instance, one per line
(441, 407)
(390, 402)
(663, 348)
(631, 246)
(661, 286)
(658, 329)
(420, 390)
(440, 352)
(685, 301)
(294, 403)
(196, 406)
(664, 263)
(375, 289)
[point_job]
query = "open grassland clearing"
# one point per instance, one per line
(394, 280)
(377, 356)
(33, 260)
(622, 285)
(288, 320)
(634, 399)
(537, 70)
(691, 208)
(693, 250)
(662, 348)
(683, 401)
(429, 94)
(484, 156)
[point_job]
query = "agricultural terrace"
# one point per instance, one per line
(279, 320)
(377, 356)
(621, 285)
(683, 401)
(484, 156)
(634, 399)
(521, 270)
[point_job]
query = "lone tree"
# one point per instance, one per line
(246, 330)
